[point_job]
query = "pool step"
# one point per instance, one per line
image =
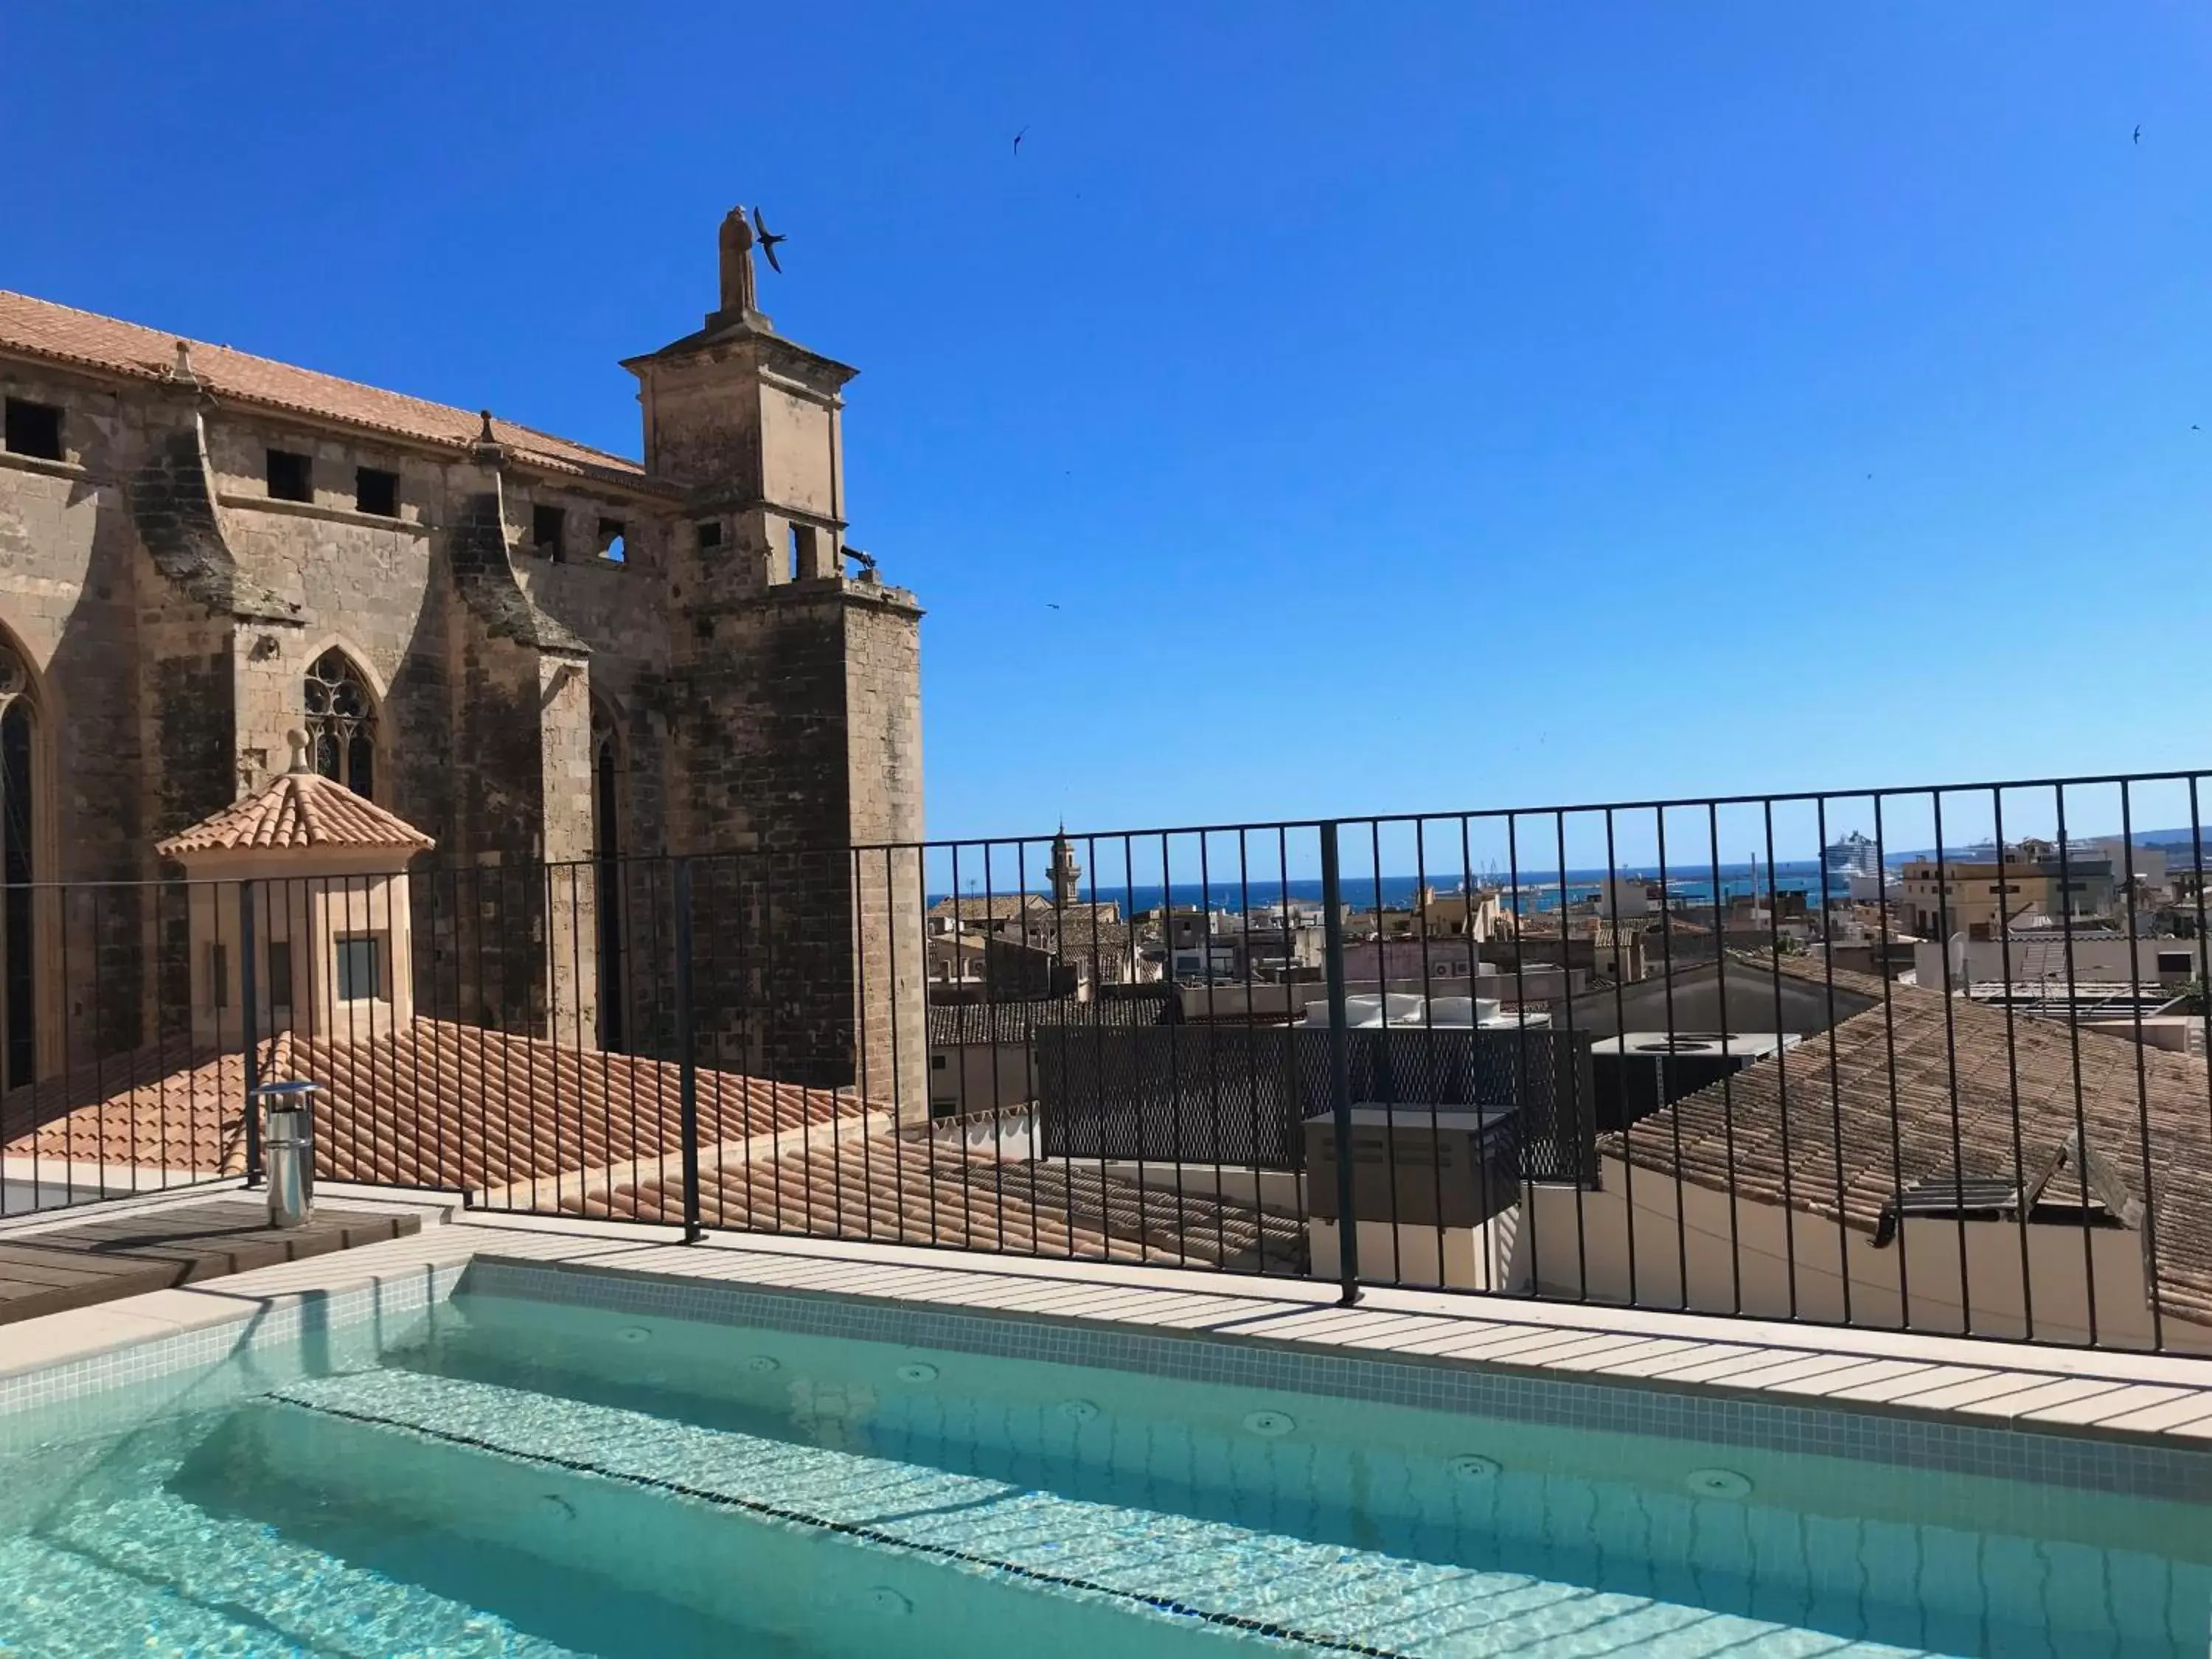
(654, 1501)
(124, 1566)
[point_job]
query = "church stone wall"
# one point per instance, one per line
(169, 610)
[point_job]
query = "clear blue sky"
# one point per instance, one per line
(1406, 407)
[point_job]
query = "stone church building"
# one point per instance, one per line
(563, 666)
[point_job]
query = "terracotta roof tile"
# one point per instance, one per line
(1013, 1022)
(916, 1188)
(437, 1104)
(39, 328)
(1812, 1128)
(444, 1105)
(298, 809)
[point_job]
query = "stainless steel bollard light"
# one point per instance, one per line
(288, 1150)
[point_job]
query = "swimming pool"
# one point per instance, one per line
(507, 1474)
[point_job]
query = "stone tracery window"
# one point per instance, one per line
(341, 722)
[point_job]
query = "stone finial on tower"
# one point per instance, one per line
(486, 447)
(740, 291)
(298, 740)
(1066, 874)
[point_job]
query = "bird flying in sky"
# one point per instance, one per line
(2137, 139)
(1018, 136)
(767, 242)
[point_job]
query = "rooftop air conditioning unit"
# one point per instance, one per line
(1638, 1073)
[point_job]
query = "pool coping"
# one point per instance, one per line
(1689, 1374)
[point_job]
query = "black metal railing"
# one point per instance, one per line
(1923, 1060)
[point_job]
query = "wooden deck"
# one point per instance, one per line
(101, 1258)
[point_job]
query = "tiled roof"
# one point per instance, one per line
(1827, 1104)
(443, 1105)
(1012, 1023)
(436, 1104)
(997, 907)
(39, 328)
(298, 809)
(915, 1188)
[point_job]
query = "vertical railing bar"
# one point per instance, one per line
(1584, 1171)
(1128, 965)
(1175, 1063)
(1419, 910)
(2203, 953)
(1727, 1089)
(1781, 1054)
(505, 958)
(687, 1057)
(620, 870)
(1620, 1049)
(1385, 1053)
(960, 972)
(249, 1022)
(1889, 1038)
(590, 1079)
(1339, 1066)
(99, 1111)
(99, 1054)
(1138, 1071)
(2024, 1205)
(1835, 1067)
(653, 871)
(1520, 1042)
(1251, 1054)
(2073, 1047)
(1019, 902)
(1951, 1061)
(1671, 1107)
(1213, 1053)
(860, 904)
(2142, 1076)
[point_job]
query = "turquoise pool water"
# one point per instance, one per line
(518, 1479)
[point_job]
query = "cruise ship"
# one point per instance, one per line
(1854, 854)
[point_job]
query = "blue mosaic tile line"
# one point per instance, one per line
(2031, 1456)
(362, 1319)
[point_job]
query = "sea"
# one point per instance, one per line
(1534, 892)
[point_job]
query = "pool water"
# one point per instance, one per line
(520, 1479)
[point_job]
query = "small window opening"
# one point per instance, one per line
(613, 541)
(360, 968)
(218, 970)
(280, 973)
(376, 491)
(291, 477)
(802, 549)
(34, 429)
(546, 524)
(703, 627)
(709, 532)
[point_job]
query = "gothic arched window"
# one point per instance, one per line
(342, 723)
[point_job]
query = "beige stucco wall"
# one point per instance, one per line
(1458, 1258)
(1747, 1258)
(309, 914)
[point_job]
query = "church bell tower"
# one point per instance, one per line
(794, 706)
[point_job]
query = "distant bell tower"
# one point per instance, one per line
(1067, 873)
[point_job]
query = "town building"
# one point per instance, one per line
(1979, 895)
